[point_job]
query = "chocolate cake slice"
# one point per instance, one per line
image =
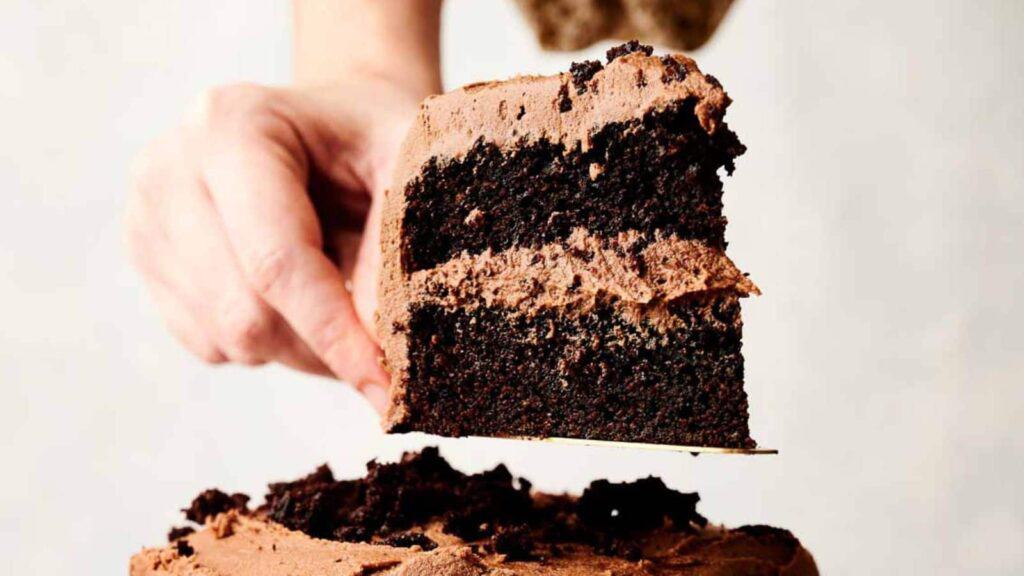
(554, 260)
(422, 517)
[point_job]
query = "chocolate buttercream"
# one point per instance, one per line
(257, 547)
(574, 275)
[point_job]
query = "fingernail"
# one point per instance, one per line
(376, 395)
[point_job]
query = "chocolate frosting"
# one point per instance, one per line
(256, 547)
(574, 275)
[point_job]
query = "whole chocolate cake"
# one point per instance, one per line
(554, 260)
(421, 517)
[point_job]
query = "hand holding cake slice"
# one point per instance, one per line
(554, 260)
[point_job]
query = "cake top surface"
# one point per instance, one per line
(420, 516)
(563, 108)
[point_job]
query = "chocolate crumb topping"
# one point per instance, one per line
(638, 506)
(395, 503)
(410, 539)
(628, 48)
(582, 72)
(178, 532)
(514, 542)
(184, 548)
(675, 71)
(564, 102)
(212, 502)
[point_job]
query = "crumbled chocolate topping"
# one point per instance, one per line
(769, 534)
(395, 502)
(521, 113)
(564, 102)
(582, 72)
(628, 48)
(410, 539)
(395, 497)
(641, 80)
(212, 502)
(675, 71)
(184, 548)
(178, 532)
(515, 542)
(643, 505)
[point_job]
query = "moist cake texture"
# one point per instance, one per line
(420, 516)
(554, 260)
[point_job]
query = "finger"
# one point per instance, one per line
(294, 353)
(209, 278)
(261, 198)
(183, 325)
(245, 327)
(365, 275)
(197, 265)
(377, 396)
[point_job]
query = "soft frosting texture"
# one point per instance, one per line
(574, 275)
(256, 547)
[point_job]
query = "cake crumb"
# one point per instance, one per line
(224, 524)
(474, 218)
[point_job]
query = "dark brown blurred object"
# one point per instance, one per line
(576, 24)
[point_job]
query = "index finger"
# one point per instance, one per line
(259, 190)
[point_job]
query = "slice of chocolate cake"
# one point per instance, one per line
(422, 517)
(554, 260)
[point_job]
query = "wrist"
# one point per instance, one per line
(395, 40)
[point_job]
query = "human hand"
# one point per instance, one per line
(256, 225)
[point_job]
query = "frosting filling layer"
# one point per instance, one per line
(637, 272)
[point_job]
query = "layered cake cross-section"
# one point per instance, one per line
(554, 260)
(421, 517)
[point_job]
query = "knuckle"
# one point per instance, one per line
(270, 270)
(337, 343)
(247, 336)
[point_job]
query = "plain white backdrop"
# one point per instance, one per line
(880, 207)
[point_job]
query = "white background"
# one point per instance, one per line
(880, 207)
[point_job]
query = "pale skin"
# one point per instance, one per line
(255, 223)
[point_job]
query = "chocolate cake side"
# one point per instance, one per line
(421, 516)
(554, 260)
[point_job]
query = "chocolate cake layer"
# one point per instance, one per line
(597, 375)
(656, 173)
(554, 250)
(421, 517)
